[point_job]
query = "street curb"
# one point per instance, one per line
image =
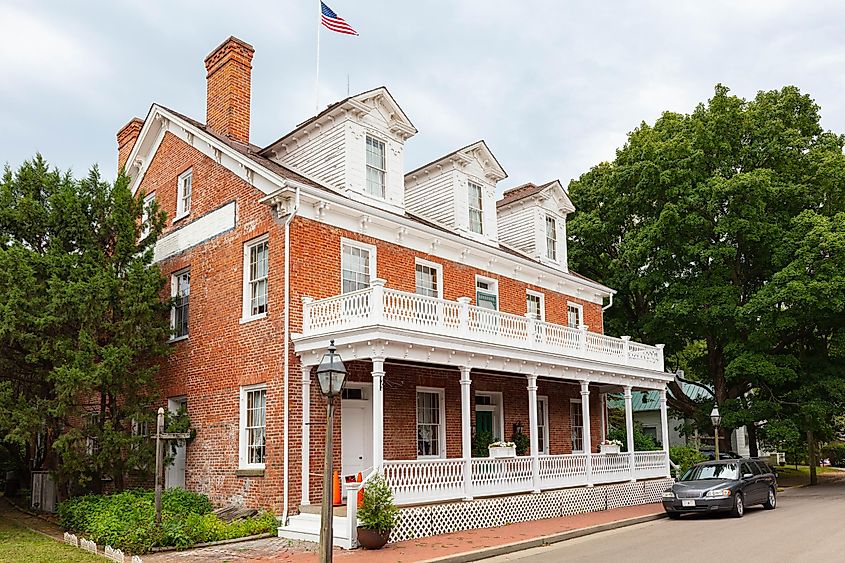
(495, 551)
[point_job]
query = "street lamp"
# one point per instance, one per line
(331, 374)
(716, 419)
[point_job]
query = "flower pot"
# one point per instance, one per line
(502, 451)
(609, 448)
(372, 539)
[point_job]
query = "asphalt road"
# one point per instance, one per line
(808, 525)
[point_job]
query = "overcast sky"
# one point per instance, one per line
(552, 86)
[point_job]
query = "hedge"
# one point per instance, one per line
(127, 520)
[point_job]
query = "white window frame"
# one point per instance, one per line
(496, 407)
(246, 313)
(580, 425)
(181, 209)
(470, 208)
(242, 430)
(552, 250)
(438, 269)
(145, 213)
(494, 283)
(543, 424)
(580, 309)
(345, 242)
(174, 288)
(441, 392)
(542, 298)
(367, 165)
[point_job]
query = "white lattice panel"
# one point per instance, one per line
(412, 523)
(624, 494)
(654, 489)
(579, 501)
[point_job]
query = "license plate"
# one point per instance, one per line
(687, 503)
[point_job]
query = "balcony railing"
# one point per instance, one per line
(419, 481)
(380, 306)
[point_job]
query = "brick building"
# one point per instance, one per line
(456, 314)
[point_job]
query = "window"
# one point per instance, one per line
(551, 238)
(543, 425)
(375, 167)
(535, 304)
(253, 422)
(429, 278)
(574, 315)
(431, 430)
(488, 414)
(475, 215)
(487, 293)
(357, 265)
(180, 284)
(256, 273)
(576, 421)
(145, 214)
(651, 431)
(183, 194)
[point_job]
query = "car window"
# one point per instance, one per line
(755, 468)
(714, 471)
(763, 467)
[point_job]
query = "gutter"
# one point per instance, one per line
(609, 304)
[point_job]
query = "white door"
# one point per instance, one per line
(174, 475)
(356, 422)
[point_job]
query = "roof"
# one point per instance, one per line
(644, 401)
(480, 143)
(521, 192)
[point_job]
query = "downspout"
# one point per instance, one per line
(286, 486)
(609, 304)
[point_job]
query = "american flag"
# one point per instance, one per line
(335, 23)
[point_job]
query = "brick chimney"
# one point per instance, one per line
(126, 138)
(229, 69)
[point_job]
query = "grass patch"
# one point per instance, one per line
(20, 545)
(788, 476)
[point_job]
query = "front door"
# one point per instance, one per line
(356, 425)
(174, 476)
(484, 422)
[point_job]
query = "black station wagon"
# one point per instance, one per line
(722, 486)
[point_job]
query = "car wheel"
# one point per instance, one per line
(771, 501)
(674, 515)
(739, 506)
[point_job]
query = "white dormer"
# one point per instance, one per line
(532, 219)
(459, 191)
(355, 145)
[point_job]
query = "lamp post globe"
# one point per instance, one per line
(331, 374)
(716, 419)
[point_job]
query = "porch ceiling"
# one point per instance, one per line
(401, 344)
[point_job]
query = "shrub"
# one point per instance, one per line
(642, 441)
(378, 511)
(685, 457)
(835, 452)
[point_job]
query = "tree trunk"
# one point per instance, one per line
(811, 457)
(752, 440)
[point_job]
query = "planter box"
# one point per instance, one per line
(502, 451)
(609, 448)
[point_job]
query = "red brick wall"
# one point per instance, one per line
(228, 92)
(221, 354)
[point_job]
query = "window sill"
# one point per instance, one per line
(250, 472)
(178, 339)
(180, 217)
(245, 320)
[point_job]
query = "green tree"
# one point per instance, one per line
(690, 222)
(83, 325)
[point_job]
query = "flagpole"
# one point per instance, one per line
(317, 80)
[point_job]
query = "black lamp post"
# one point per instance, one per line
(716, 419)
(331, 374)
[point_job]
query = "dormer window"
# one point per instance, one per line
(375, 167)
(475, 216)
(551, 238)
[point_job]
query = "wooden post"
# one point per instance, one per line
(327, 512)
(159, 461)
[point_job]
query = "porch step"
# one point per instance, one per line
(306, 527)
(317, 509)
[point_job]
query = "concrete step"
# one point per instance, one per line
(318, 509)
(306, 527)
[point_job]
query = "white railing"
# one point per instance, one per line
(499, 476)
(566, 470)
(425, 480)
(378, 305)
(650, 464)
(607, 468)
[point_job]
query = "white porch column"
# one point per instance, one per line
(532, 432)
(378, 413)
(664, 429)
(466, 436)
(306, 435)
(629, 426)
(587, 437)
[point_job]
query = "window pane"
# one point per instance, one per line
(259, 267)
(573, 316)
(577, 424)
(428, 424)
(475, 214)
(551, 238)
(532, 303)
(255, 425)
(181, 295)
(427, 280)
(355, 268)
(375, 167)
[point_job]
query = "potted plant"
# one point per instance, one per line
(610, 446)
(502, 449)
(377, 514)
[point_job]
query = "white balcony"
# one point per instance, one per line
(378, 306)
